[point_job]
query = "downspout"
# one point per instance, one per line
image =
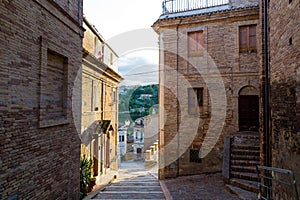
(267, 88)
(267, 100)
(177, 90)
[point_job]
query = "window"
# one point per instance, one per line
(195, 100)
(53, 96)
(121, 138)
(195, 156)
(111, 59)
(195, 43)
(114, 96)
(247, 38)
(95, 96)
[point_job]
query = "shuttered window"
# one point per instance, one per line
(195, 43)
(195, 100)
(247, 38)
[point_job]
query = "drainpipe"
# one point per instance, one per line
(267, 88)
(177, 69)
(267, 133)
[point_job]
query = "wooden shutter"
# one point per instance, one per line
(200, 39)
(195, 43)
(252, 37)
(243, 35)
(192, 42)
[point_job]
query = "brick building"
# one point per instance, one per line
(99, 123)
(41, 50)
(283, 143)
(209, 67)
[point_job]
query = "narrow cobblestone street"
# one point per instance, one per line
(134, 181)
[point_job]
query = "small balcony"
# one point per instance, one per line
(176, 6)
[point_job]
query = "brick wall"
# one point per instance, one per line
(284, 23)
(181, 132)
(39, 157)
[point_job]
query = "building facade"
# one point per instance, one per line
(41, 50)
(209, 82)
(138, 138)
(122, 141)
(99, 123)
(282, 141)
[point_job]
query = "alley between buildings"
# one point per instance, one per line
(135, 181)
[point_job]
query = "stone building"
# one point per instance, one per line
(281, 145)
(41, 51)
(99, 123)
(138, 138)
(209, 81)
(122, 141)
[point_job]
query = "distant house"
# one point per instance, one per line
(122, 141)
(145, 96)
(145, 133)
(138, 138)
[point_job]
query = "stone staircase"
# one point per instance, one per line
(244, 156)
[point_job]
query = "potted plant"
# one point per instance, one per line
(85, 175)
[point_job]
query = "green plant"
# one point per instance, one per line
(85, 175)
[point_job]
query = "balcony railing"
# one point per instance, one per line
(174, 6)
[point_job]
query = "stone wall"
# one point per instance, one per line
(220, 66)
(41, 50)
(284, 23)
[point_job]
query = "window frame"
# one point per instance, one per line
(195, 102)
(195, 43)
(247, 29)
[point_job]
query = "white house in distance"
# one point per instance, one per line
(122, 141)
(138, 137)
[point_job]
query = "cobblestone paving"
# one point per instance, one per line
(134, 182)
(204, 187)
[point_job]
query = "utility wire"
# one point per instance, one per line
(149, 72)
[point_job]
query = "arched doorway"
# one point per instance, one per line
(248, 109)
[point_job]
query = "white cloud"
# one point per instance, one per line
(126, 26)
(139, 68)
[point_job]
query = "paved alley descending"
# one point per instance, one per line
(133, 182)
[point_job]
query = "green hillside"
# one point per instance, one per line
(137, 101)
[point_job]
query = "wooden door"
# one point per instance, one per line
(248, 113)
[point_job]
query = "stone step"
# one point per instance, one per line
(130, 195)
(244, 157)
(138, 180)
(140, 188)
(245, 152)
(244, 163)
(237, 168)
(137, 183)
(245, 176)
(247, 141)
(246, 147)
(244, 184)
(241, 193)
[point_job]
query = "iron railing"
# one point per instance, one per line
(276, 184)
(174, 6)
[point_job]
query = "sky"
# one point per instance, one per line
(126, 26)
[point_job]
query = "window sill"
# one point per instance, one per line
(54, 122)
(200, 115)
(248, 51)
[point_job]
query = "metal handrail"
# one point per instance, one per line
(174, 6)
(270, 179)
